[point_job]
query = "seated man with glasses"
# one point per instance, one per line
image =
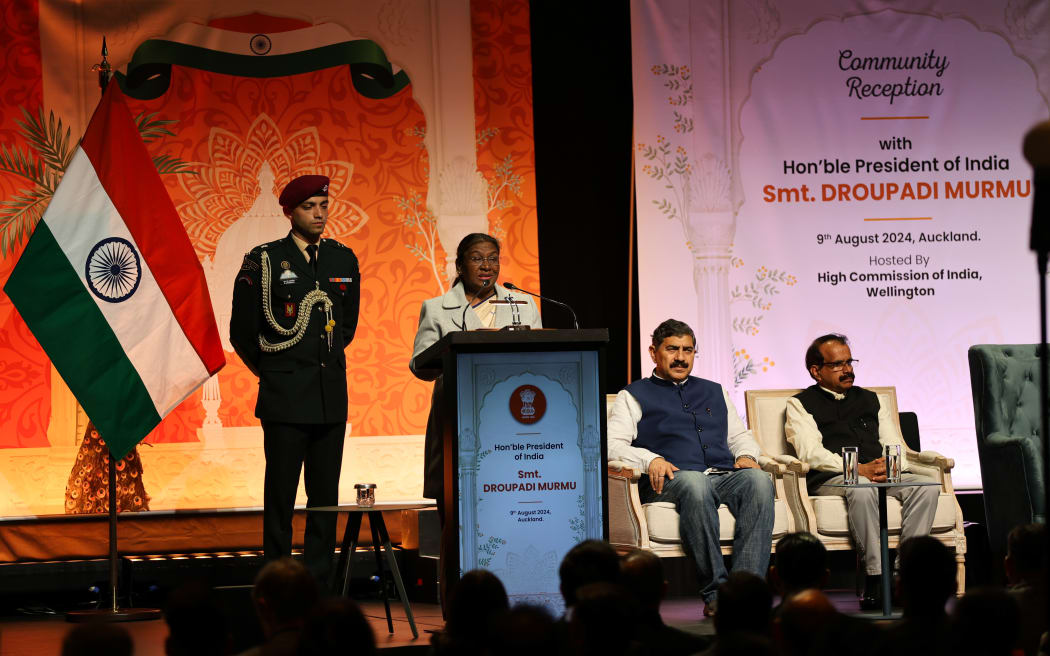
(832, 414)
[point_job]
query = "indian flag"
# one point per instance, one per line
(112, 289)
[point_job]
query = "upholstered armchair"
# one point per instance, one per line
(825, 516)
(654, 526)
(1005, 382)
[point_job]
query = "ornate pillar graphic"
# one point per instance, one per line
(711, 211)
(457, 189)
(469, 446)
(591, 449)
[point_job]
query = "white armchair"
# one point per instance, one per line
(825, 516)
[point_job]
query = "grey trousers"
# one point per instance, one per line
(918, 506)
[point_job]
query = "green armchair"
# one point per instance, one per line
(1005, 382)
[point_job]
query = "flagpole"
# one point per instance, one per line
(114, 613)
(104, 69)
(114, 560)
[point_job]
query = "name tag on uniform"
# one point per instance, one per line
(288, 277)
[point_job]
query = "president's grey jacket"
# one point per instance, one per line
(438, 317)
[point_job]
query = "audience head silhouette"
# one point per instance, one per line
(801, 562)
(1026, 554)
(284, 592)
(336, 625)
(926, 579)
(642, 575)
(744, 604)
(591, 561)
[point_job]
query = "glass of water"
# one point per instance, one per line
(892, 452)
(366, 494)
(850, 465)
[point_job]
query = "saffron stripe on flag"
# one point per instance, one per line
(120, 159)
(97, 374)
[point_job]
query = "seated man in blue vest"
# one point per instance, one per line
(835, 413)
(685, 434)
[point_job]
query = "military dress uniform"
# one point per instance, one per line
(290, 325)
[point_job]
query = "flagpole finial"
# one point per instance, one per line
(103, 68)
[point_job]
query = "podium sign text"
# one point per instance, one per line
(529, 465)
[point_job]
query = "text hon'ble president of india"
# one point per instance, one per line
(685, 434)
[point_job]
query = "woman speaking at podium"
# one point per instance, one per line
(468, 305)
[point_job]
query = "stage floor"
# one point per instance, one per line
(42, 636)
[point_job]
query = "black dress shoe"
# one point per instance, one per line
(870, 602)
(872, 599)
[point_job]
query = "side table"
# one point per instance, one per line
(884, 533)
(380, 541)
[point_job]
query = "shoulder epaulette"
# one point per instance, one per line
(333, 242)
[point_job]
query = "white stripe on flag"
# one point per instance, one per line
(79, 216)
(281, 43)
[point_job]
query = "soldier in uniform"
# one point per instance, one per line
(295, 305)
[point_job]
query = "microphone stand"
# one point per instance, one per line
(510, 285)
(463, 318)
(1037, 151)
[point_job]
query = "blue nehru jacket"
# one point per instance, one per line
(686, 424)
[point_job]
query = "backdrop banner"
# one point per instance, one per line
(426, 134)
(813, 167)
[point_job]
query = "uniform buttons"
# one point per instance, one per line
(705, 447)
(686, 406)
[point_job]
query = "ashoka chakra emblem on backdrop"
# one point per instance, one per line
(260, 44)
(113, 270)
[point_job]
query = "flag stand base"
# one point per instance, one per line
(113, 614)
(110, 615)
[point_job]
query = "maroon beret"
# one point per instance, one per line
(303, 187)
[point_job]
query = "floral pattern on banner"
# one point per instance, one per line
(25, 372)
(231, 160)
(307, 123)
(503, 115)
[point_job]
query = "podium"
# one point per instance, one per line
(524, 444)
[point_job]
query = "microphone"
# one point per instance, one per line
(1036, 150)
(510, 285)
(463, 319)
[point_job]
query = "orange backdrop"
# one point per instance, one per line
(226, 127)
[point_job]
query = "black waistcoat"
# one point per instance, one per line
(853, 421)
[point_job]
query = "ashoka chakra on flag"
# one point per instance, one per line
(113, 270)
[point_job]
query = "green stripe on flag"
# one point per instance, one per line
(64, 318)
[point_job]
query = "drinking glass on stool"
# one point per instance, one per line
(366, 494)
(850, 465)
